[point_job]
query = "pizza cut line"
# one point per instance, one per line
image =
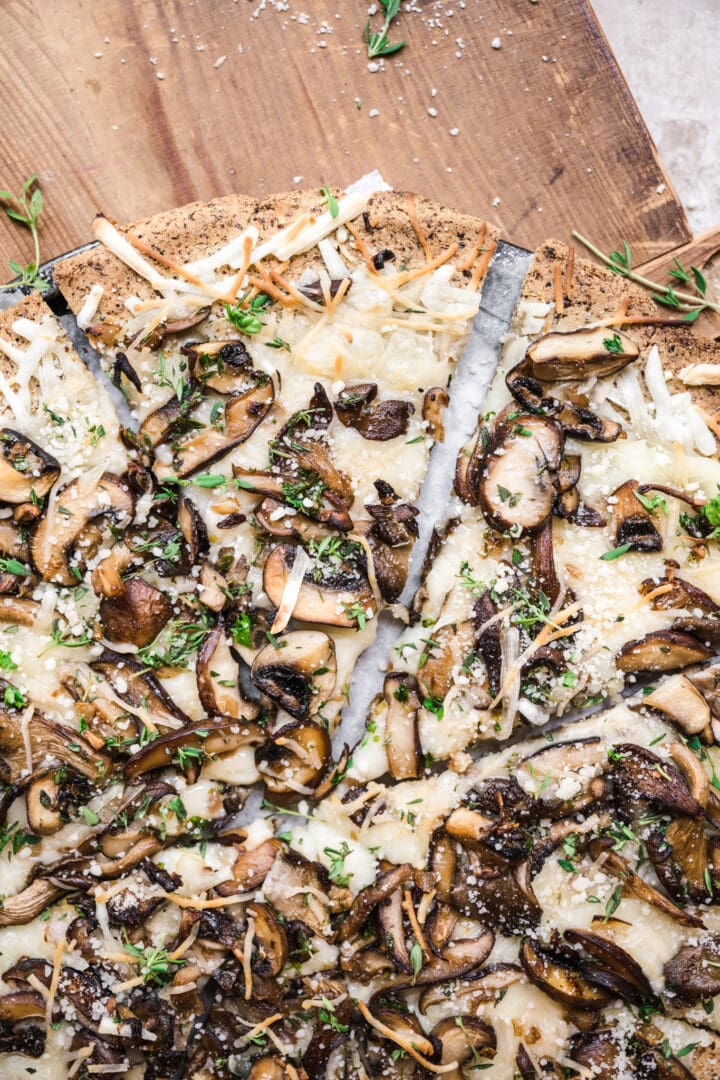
(184, 599)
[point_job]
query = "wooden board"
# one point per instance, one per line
(549, 137)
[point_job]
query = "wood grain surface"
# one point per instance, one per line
(128, 106)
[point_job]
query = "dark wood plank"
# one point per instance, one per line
(558, 141)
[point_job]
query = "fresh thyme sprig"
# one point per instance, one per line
(377, 40)
(26, 209)
(692, 303)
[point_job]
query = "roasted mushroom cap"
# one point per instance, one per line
(137, 615)
(218, 679)
(641, 774)
(59, 528)
(297, 670)
(357, 407)
(573, 355)
(219, 365)
(694, 971)
(518, 483)
(618, 971)
(295, 759)
(632, 523)
(342, 598)
(26, 471)
(662, 650)
(555, 973)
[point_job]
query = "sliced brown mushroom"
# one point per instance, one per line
(545, 579)
(598, 1051)
(218, 677)
(107, 575)
(26, 905)
(16, 609)
(518, 484)
(308, 483)
(555, 974)
(213, 589)
(242, 414)
(59, 529)
(370, 897)
(301, 891)
(271, 942)
(675, 592)
(219, 365)
(298, 670)
(464, 1039)
(469, 466)
(679, 699)
(357, 407)
(402, 739)
(641, 774)
(694, 971)
(506, 902)
(12, 540)
(487, 986)
(21, 1005)
(542, 773)
(681, 859)
(662, 650)
(44, 817)
(190, 746)
(631, 522)
(629, 981)
(134, 684)
(574, 355)
(392, 931)
(455, 642)
(26, 470)
(137, 615)
(435, 403)
(192, 526)
(49, 741)
(295, 759)
(250, 868)
(342, 598)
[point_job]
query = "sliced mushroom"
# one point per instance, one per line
(674, 592)
(44, 817)
(301, 891)
(630, 981)
(137, 615)
(270, 941)
(662, 650)
(559, 774)
(219, 365)
(218, 679)
(435, 403)
(402, 739)
(213, 589)
(506, 902)
(336, 601)
(632, 523)
(518, 484)
(469, 466)
(242, 414)
(681, 860)
(392, 931)
(455, 642)
(59, 529)
(26, 470)
(107, 575)
(49, 741)
(488, 986)
(251, 868)
(298, 670)
(370, 897)
(545, 579)
(16, 609)
(598, 1051)
(379, 421)
(21, 1005)
(489, 638)
(641, 774)
(192, 526)
(295, 759)
(309, 483)
(694, 971)
(189, 746)
(12, 540)
(464, 1039)
(574, 355)
(26, 905)
(677, 698)
(555, 974)
(134, 684)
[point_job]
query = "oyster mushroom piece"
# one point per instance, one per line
(675, 592)
(220, 365)
(370, 897)
(677, 698)
(598, 1051)
(250, 868)
(392, 931)
(27, 472)
(217, 677)
(301, 891)
(641, 774)
(58, 530)
(506, 902)
(402, 739)
(21, 1005)
(555, 974)
(630, 980)
(192, 526)
(518, 483)
(43, 815)
(620, 868)
(681, 859)
(213, 589)
(558, 774)
(662, 650)
(464, 1039)
(26, 905)
(295, 758)
(631, 522)
(190, 746)
(574, 355)
(243, 412)
(271, 942)
(297, 670)
(454, 643)
(136, 686)
(343, 598)
(694, 971)
(488, 985)
(137, 615)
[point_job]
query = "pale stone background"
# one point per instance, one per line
(669, 53)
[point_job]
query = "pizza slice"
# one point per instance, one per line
(580, 551)
(287, 362)
(550, 911)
